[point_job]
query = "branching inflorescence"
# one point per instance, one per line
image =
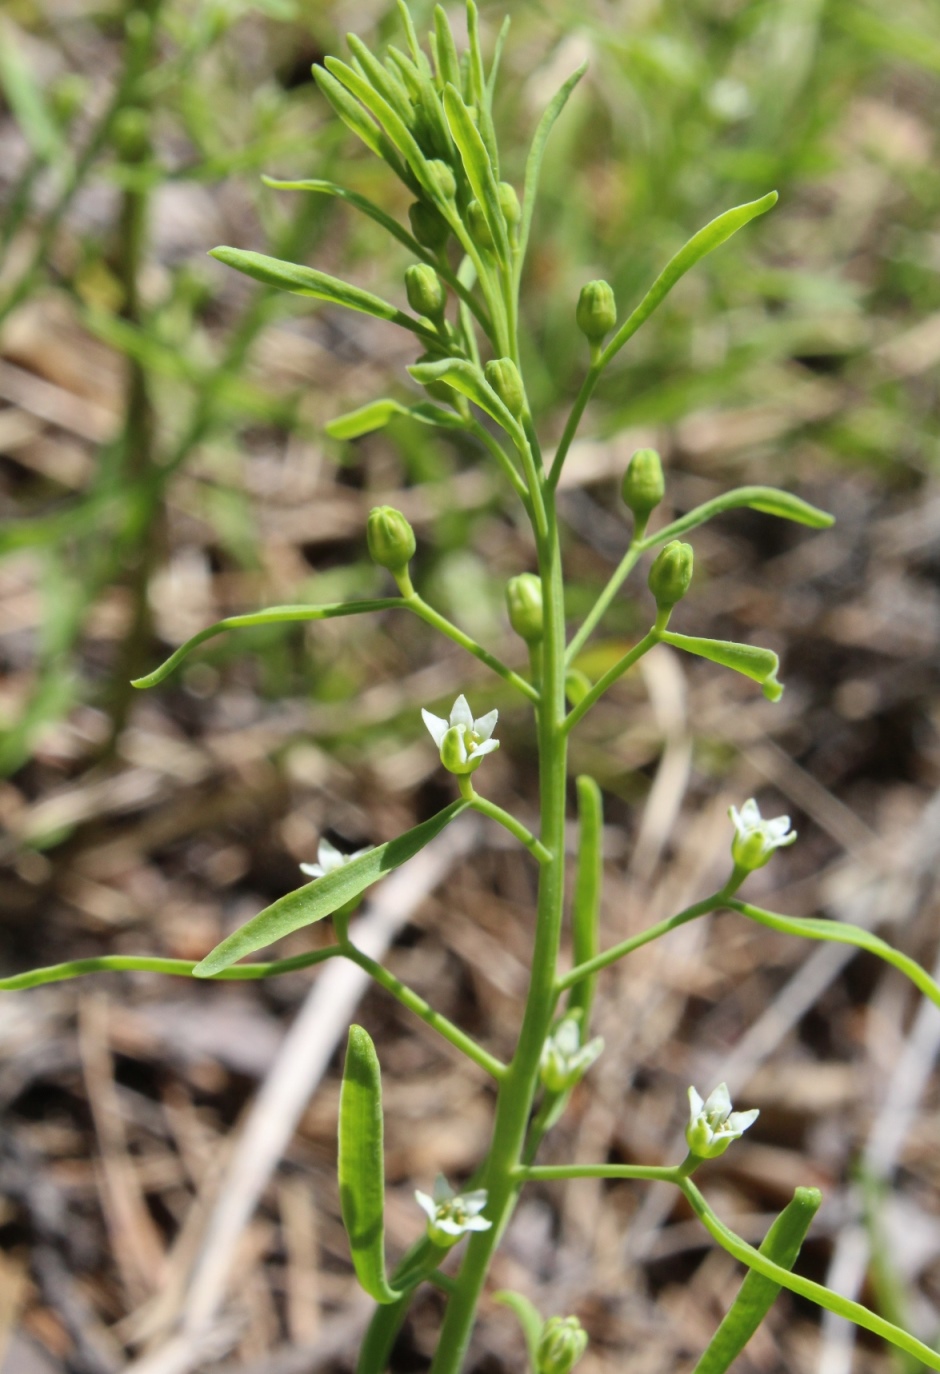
(430, 120)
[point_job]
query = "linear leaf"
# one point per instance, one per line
(533, 164)
(274, 615)
(394, 126)
(478, 167)
(362, 1165)
(470, 382)
(587, 889)
(841, 933)
(478, 93)
(382, 81)
(759, 664)
(367, 419)
(324, 895)
(757, 1293)
(448, 63)
(770, 500)
(307, 281)
(24, 97)
(715, 233)
(355, 118)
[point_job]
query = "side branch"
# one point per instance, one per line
(430, 616)
(146, 963)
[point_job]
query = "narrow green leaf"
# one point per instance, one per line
(478, 167)
(759, 664)
(805, 1288)
(712, 236)
(367, 419)
(770, 500)
(324, 895)
(355, 118)
(497, 58)
(757, 1293)
(307, 281)
(585, 907)
(407, 23)
(448, 63)
(362, 1165)
(841, 933)
(528, 1315)
(366, 206)
(389, 87)
(394, 126)
(149, 963)
(25, 99)
(274, 615)
(533, 164)
(470, 382)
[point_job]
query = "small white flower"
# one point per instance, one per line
(329, 859)
(565, 1060)
(451, 1215)
(713, 1125)
(463, 742)
(756, 839)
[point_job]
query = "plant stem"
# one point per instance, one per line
(517, 1088)
(610, 677)
(430, 616)
(425, 1012)
(574, 419)
(626, 566)
(548, 1172)
(153, 963)
(503, 818)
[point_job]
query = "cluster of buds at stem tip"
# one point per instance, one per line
(597, 311)
(451, 1215)
(462, 741)
(524, 604)
(424, 291)
(391, 540)
(643, 485)
(565, 1060)
(713, 1125)
(562, 1342)
(503, 376)
(671, 574)
(755, 839)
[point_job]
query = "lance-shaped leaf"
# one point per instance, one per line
(587, 889)
(307, 281)
(470, 382)
(477, 165)
(274, 615)
(324, 895)
(477, 93)
(842, 933)
(362, 1165)
(533, 164)
(384, 82)
(367, 419)
(395, 127)
(759, 664)
(712, 236)
(769, 500)
(528, 1316)
(757, 1293)
(355, 118)
(448, 63)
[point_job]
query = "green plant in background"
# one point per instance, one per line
(431, 122)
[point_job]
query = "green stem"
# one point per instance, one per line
(145, 963)
(548, 1172)
(503, 818)
(610, 677)
(427, 613)
(626, 566)
(574, 419)
(425, 1012)
(506, 465)
(610, 956)
(517, 1089)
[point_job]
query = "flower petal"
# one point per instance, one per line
(480, 751)
(740, 1121)
(718, 1102)
(485, 725)
(696, 1103)
(460, 713)
(438, 728)
(474, 1202)
(427, 1204)
(313, 870)
(443, 1192)
(477, 1224)
(329, 857)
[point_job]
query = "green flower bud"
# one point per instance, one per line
(562, 1343)
(597, 311)
(391, 539)
(509, 204)
(524, 604)
(131, 134)
(478, 226)
(68, 96)
(643, 484)
(424, 290)
(442, 179)
(503, 376)
(429, 226)
(671, 574)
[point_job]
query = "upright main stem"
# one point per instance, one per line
(517, 1089)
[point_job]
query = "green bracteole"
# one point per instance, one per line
(431, 121)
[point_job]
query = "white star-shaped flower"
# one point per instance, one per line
(463, 742)
(756, 839)
(451, 1215)
(329, 858)
(713, 1125)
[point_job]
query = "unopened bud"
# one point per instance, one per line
(671, 574)
(442, 179)
(68, 96)
(524, 604)
(390, 537)
(597, 311)
(424, 290)
(503, 376)
(562, 1343)
(509, 204)
(478, 226)
(643, 484)
(131, 134)
(429, 226)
